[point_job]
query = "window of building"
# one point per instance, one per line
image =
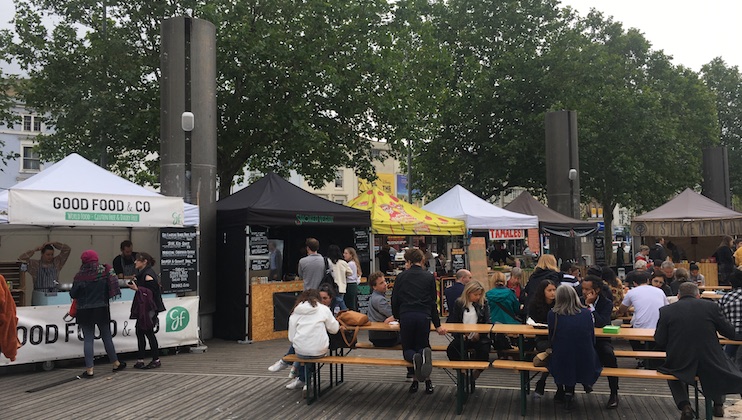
(30, 161)
(339, 179)
(31, 123)
(340, 199)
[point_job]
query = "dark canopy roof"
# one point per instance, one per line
(273, 201)
(549, 220)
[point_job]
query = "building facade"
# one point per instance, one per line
(19, 141)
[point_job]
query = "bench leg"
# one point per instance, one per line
(460, 390)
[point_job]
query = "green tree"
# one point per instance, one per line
(642, 121)
(490, 122)
(726, 84)
(297, 82)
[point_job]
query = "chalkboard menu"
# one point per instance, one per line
(599, 246)
(178, 259)
(257, 265)
(458, 259)
(258, 243)
(364, 293)
(362, 244)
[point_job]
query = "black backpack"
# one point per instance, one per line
(328, 278)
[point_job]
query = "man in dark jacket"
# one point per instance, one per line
(700, 357)
(597, 297)
(658, 253)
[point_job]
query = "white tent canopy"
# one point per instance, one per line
(77, 192)
(460, 203)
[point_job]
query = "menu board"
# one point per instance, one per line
(364, 293)
(258, 243)
(599, 247)
(458, 259)
(178, 259)
(362, 242)
(262, 264)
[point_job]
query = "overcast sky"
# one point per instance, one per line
(693, 32)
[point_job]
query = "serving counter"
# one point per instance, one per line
(263, 309)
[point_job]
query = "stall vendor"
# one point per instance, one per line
(123, 264)
(45, 271)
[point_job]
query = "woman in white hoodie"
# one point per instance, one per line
(309, 324)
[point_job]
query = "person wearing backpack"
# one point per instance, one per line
(146, 305)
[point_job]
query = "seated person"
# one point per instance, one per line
(379, 310)
(695, 276)
(639, 275)
(470, 308)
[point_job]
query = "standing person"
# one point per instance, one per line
(620, 255)
(658, 253)
(309, 324)
(724, 259)
(94, 285)
(276, 262)
(470, 308)
(731, 307)
(643, 254)
(312, 267)
(145, 307)
(414, 304)
(340, 270)
(351, 290)
(45, 271)
(385, 260)
(540, 306)
(601, 305)
(455, 290)
(123, 264)
(573, 359)
(700, 357)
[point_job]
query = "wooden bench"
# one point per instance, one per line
(370, 346)
(463, 368)
(523, 367)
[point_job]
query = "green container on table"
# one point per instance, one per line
(611, 329)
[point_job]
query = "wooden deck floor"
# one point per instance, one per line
(231, 381)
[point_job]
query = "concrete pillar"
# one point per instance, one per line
(716, 175)
(188, 159)
(563, 190)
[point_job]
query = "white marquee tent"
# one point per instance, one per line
(460, 203)
(77, 192)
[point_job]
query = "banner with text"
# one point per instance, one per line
(506, 234)
(45, 336)
(61, 208)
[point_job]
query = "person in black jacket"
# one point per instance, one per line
(597, 298)
(94, 285)
(146, 278)
(546, 269)
(470, 308)
(541, 303)
(725, 260)
(414, 304)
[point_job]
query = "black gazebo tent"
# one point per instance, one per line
(551, 221)
(282, 210)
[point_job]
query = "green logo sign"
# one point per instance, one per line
(313, 218)
(177, 319)
(101, 217)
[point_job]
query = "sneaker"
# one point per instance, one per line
(428, 387)
(413, 387)
(718, 410)
(687, 413)
(293, 373)
(538, 392)
(153, 364)
(417, 364)
(295, 384)
(85, 375)
(120, 367)
(278, 366)
(427, 366)
(612, 401)
(139, 365)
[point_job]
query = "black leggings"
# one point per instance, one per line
(154, 349)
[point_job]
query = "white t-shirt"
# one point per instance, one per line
(647, 301)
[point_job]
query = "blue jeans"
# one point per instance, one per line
(88, 336)
(309, 367)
